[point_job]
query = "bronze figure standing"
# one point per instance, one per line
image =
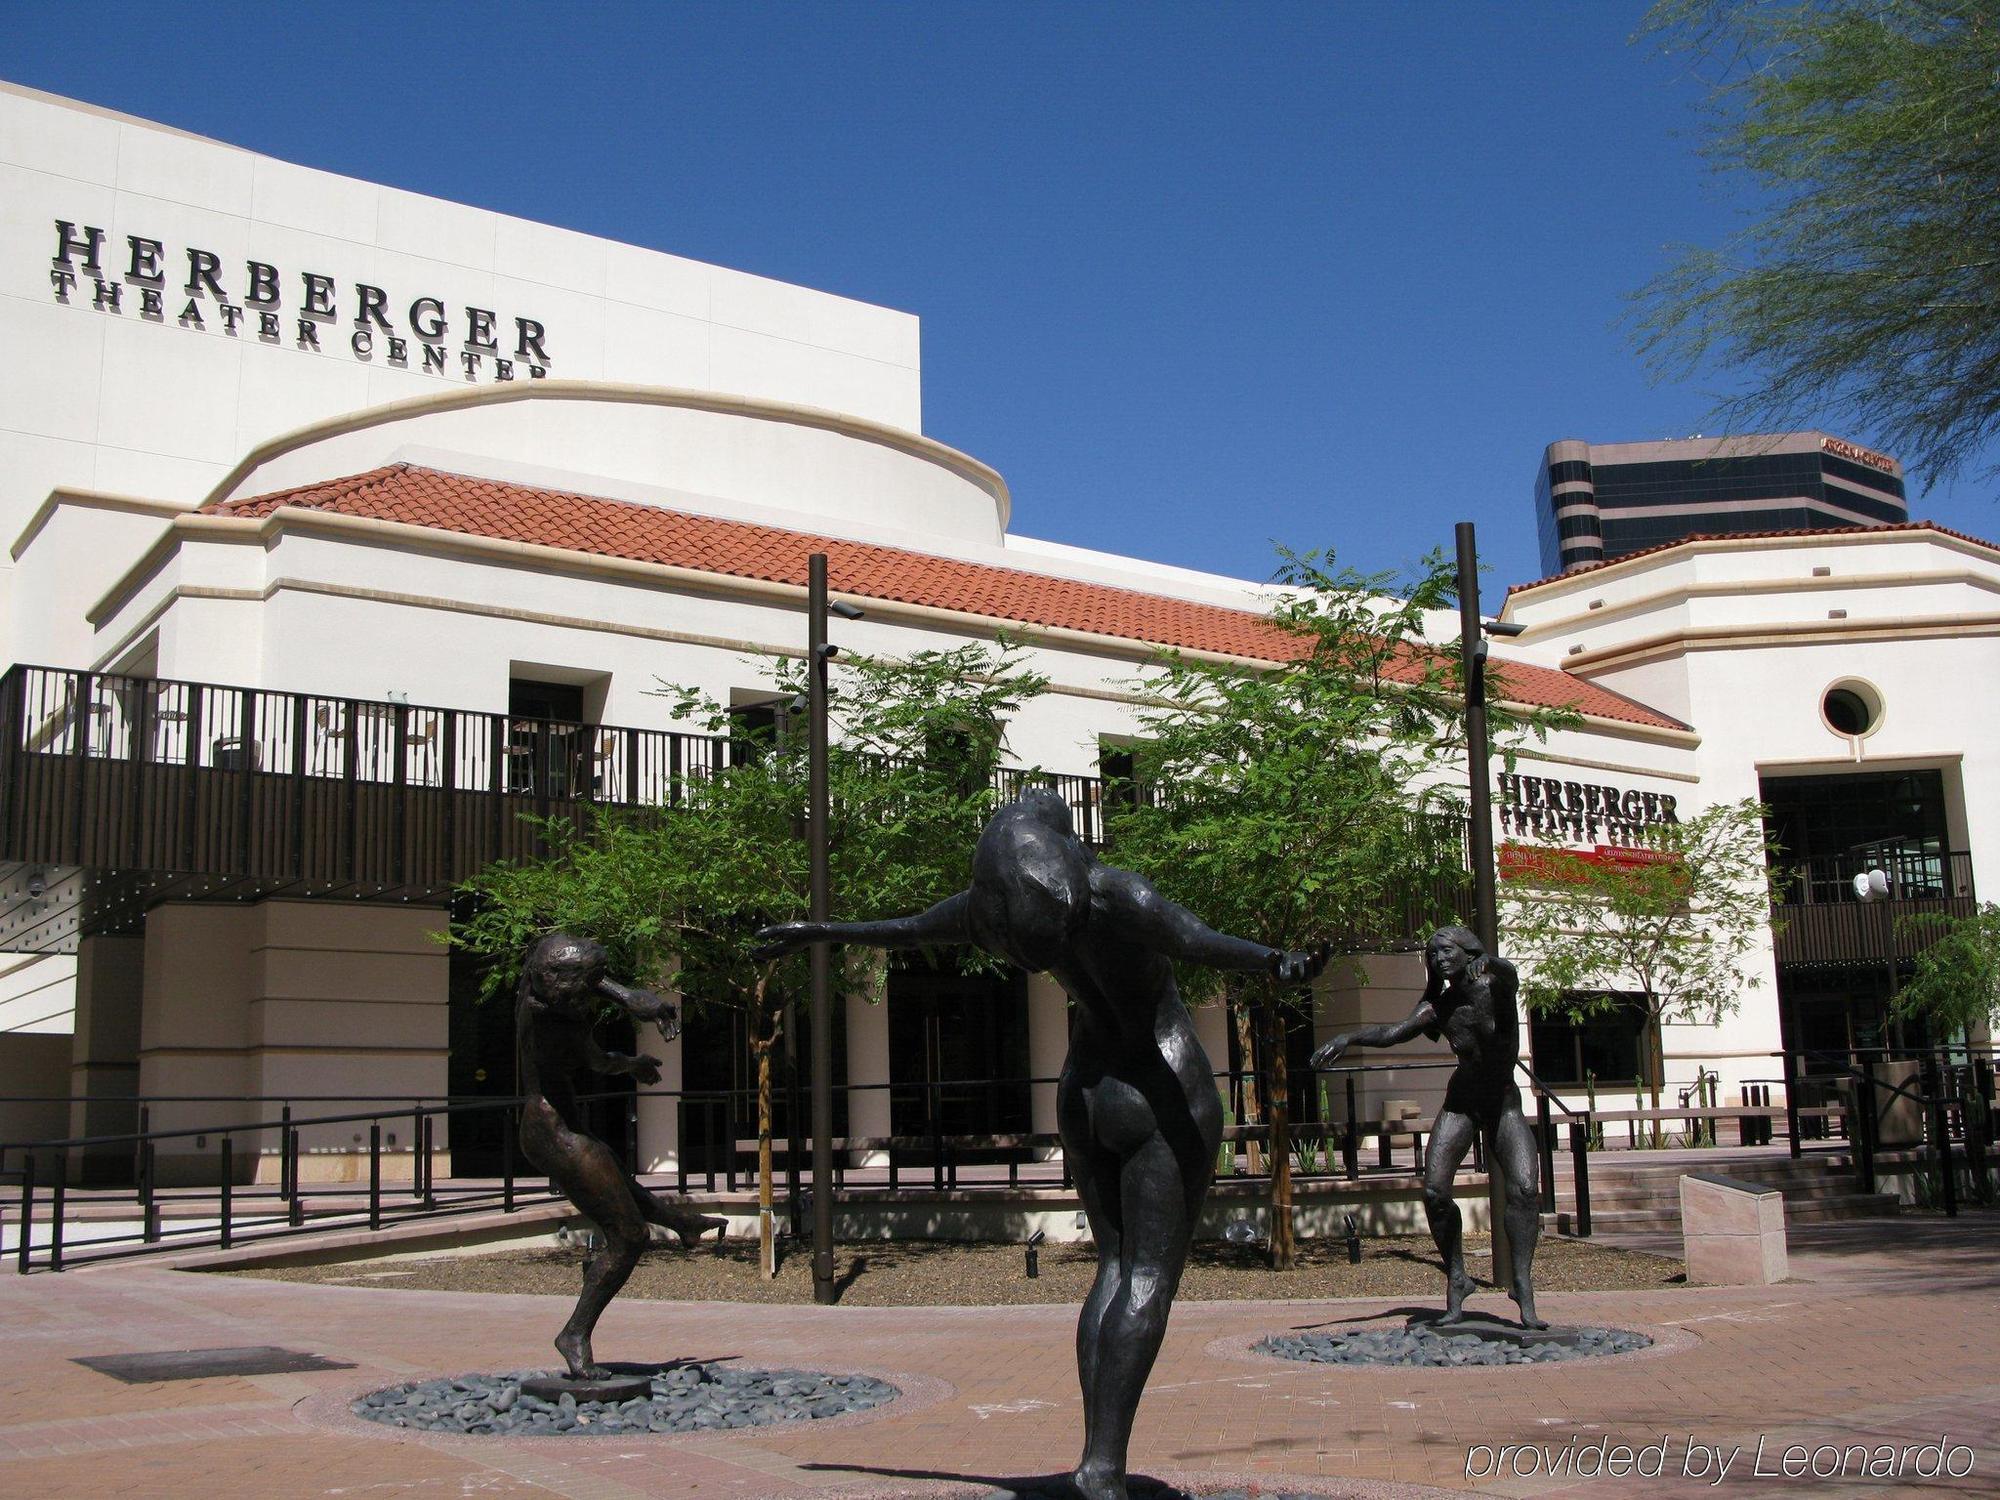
(1468, 1000)
(563, 985)
(1136, 1107)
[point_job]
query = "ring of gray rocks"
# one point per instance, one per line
(685, 1398)
(1431, 1346)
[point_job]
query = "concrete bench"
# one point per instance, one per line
(1732, 1230)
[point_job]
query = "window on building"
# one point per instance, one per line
(1608, 1045)
(958, 1051)
(547, 740)
(756, 727)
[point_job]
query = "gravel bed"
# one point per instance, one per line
(933, 1273)
(685, 1398)
(1425, 1345)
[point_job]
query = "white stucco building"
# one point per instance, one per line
(346, 523)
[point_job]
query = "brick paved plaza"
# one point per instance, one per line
(1885, 1335)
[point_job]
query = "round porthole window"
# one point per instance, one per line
(1851, 709)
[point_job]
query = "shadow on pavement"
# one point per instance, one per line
(1026, 1486)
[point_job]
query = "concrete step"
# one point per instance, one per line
(1816, 1211)
(1625, 1196)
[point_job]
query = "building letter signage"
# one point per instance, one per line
(1588, 813)
(77, 274)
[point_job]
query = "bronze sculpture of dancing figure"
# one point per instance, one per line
(1469, 1001)
(563, 983)
(1137, 1106)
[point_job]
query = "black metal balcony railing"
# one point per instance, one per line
(120, 791)
(123, 773)
(218, 785)
(1825, 922)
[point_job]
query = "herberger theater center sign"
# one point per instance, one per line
(1583, 811)
(423, 335)
(1552, 812)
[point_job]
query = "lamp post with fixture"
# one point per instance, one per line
(820, 652)
(1472, 633)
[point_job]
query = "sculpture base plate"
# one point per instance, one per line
(1494, 1330)
(614, 1389)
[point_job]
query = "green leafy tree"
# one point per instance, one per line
(1954, 982)
(1316, 801)
(1870, 287)
(1670, 924)
(675, 894)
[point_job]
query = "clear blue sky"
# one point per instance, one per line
(1194, 279)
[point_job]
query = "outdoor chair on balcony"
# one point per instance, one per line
(420, 742)
(330, 732)
(606, 758)
(61, 722)
(521, 757)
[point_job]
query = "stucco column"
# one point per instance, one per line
(104, 1054)
(348, 1000)
(1048, 1045)
(659, 1114)
(197, 977)
(867, 1006)
(1364, 991)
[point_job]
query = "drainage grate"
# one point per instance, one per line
(200, 1364)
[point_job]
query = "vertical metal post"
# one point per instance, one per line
(728, 1142)
(1982, 1072)
(79, 689)
(139, 1146)
(1479, 805)
(59, 1186)
(1792, 1107)
(1350, 1143)
(1579, 1156)
(1941, 1137)
(425, 1161)
(228, 1186)
(374, 1174)
(820, 1000)
(27, 1209)
(296, 1212)
(417, 1152)
(1545, 1134)
(936, 1112)
(149, 1209)
(1479, 838)
(151, 1227)
(1863, 1134)
(298, 809)
(287, 1137)
(507, 1159)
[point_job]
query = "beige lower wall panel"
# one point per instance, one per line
(349, 1020)
(385, 978)
(355, 927)
(34, 1064)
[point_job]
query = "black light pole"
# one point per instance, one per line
(817, 814)
(1472, 646)
(1472, 633)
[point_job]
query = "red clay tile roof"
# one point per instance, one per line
(742, 549)
(1740, 536)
